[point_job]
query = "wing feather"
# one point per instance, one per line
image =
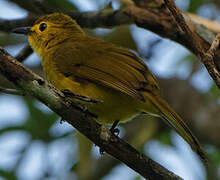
(108, 65)
(104, 78)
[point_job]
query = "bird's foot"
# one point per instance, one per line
(114, 132)
(70, 94)
(113, 129)
(83, 108)
(101, 151)
(62, 120)
(79, 105)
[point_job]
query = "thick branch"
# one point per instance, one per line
(32, 84)
(190, 37)
(84, 19)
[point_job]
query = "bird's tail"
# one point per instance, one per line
(175, 121)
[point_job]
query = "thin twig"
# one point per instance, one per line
(11, 91)
(214, 45)
(208, 60)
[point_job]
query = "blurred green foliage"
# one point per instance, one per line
(194, 5)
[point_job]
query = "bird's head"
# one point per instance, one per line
(50, 30)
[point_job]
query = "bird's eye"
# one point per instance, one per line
(43, 26)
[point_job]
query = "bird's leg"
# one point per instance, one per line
(113, 129)
(70, 94)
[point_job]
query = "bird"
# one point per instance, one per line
(81, 64)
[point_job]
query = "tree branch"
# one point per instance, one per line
(95, 19)
(32, 84)
(11, 91)
(213, 26)
(190, 37)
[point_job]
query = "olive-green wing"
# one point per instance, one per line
(110, 66)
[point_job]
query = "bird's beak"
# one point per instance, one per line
(22, 30)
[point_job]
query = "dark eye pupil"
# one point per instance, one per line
(43, 26)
